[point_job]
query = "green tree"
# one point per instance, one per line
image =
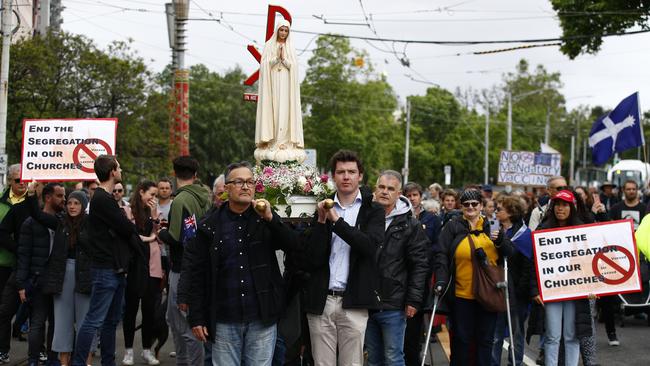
(584, 23)
(66, 76)
(222, 124)
(350, 107)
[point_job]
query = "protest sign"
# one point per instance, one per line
(576, 261)
(525, 168)
(65, 149)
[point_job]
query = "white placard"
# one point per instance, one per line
(65, 149)
(599, 259)
(526, 168)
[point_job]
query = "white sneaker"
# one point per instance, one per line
(149, 358)
(128, 357)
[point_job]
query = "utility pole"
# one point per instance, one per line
(584, 154)
(573, 161)
(509, 140)
(4, 80)
(486, 168)
(181, 80)
(405, 171)
(547, 128)
(43, 17)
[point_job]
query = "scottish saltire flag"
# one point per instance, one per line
(189, 229)
(617, 131)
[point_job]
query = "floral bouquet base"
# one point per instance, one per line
(292, 189)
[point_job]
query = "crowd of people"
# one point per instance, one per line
(350, 287)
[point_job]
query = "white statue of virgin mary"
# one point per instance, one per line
(278, 126)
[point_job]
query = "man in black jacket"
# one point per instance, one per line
(15, 206)
(33, 252)
(110, 232)
(341, 249)
(403, 266)
(236, 291)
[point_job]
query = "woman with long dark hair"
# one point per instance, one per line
(67, 274)
(472, 325)
(144, 210)
(570, 319)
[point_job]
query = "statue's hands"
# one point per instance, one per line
(281, 52)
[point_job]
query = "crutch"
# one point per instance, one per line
(504, 285)
(426, 344)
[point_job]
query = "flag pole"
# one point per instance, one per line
(645, 150)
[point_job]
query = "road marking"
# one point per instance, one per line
(527, 360)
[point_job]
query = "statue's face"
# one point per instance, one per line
(283, 33)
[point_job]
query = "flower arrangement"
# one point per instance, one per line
(278, 181)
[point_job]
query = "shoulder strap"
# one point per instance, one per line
(471, 245)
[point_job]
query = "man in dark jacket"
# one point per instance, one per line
(432, 225)
(237, 291)
(403, 266)
(191, 202)
(341, 248)
(110, 233)
(33, 252)
(15, 207)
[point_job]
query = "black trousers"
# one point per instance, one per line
(41, 310)
(412, 337)
(9, 302)
(5, 273)
(608, 310)
(150, 303)
(472, 328)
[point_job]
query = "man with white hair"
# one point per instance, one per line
(218, 188)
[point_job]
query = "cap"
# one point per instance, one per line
(565, 196)
(471, 194)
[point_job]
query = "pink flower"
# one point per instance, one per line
(267, 170)
(324, 178)
(308, 187)
(259, 187)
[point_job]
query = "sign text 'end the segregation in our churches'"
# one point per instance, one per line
(65, 149)
(574, 262)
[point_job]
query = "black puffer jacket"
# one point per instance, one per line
(33, 252)
(52, 282)
(445, 265)
(403, 263)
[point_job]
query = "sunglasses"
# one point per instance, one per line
(117, 191)
(471, 203)
(17, 180)
(560, 188)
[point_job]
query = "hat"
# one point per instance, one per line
(565, 196)
(607, 184)
(486, 187)
(471, 194)
(80, 196)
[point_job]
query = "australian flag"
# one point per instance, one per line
(188, 231)
(616, 131)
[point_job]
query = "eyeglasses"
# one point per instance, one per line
(117, 191)
(471, 203)
(17, 180)
(559, 188)
(240, 183)
(498, 209)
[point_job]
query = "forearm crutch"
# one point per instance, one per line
(426, 344)
(504, 285)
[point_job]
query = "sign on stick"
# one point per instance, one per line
(65, 149)
(525, 168)
(599, 259)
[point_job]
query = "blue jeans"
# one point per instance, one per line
(519, 313)
(247, 344)
(385, 338)
(471, 327)
(561, 322)
(105, 312)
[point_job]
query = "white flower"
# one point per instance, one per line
(302, 181)
(330, 185)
